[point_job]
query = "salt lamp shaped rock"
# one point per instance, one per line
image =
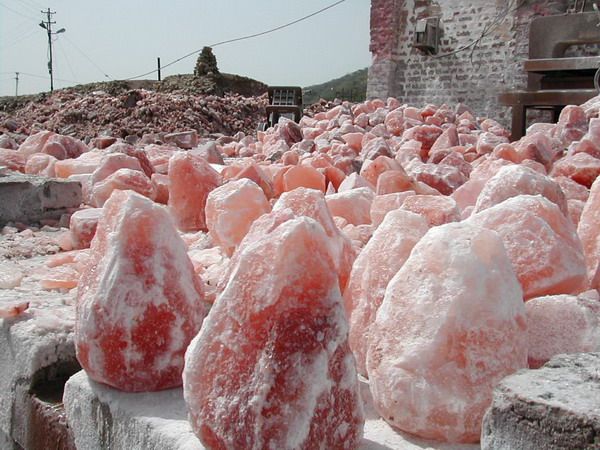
(271, 366)
(376, 264)
(451, 325)
(139, 302)
(514, 180)
(311, 203)
(562, 324)
(588, 231)
(541, 243)
(231, 209)
(191, 178)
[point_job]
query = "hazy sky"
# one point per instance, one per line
(124, 37)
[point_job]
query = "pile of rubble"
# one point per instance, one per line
(133, 114)
(416, 247)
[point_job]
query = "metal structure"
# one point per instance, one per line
(284, 101)
(48, 27)
(552, 80)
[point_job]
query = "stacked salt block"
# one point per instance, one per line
(279, 326)
(139, 302)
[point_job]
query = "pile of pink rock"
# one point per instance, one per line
(417, 247)
(133, 114)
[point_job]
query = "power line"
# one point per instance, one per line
(242, 38)
(17, 12)
(87, 57)
(20, 38)
(46, 77)
(28, 6)
(62, 50)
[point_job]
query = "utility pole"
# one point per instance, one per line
(158, 61)
(16, 84)
(47, 25)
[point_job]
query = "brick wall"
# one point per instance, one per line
(475, 76)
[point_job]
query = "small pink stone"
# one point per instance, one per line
(83, 225)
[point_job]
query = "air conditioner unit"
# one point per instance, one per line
(427, 34)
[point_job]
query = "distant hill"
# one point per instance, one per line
(352, 86)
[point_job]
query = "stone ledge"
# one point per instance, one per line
(555, 407)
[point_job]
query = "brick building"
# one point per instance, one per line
(474, 76)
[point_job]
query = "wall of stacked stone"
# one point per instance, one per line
(474, 76)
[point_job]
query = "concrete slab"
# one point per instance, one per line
(35, 346)
(31, 198)
(102, 417)
(551, 408)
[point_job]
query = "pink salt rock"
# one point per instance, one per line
(451, 326)
(541, 242)
(83, 224)
(210, 152)
(559, 324)
(354, 140)
(353, 205)
(588, 227)
(383, 204)
(371, 170)
(334, 176)
(85, 164)
(374, 148)
(572, 124)
(266, 357)
(230, 211)
(10, 275)
(159, 156)
(581, 167)
(63, 147)
(436, 209)
(113, 162)
(487, 142)
(12, 308)
(139, 302)
(255, 173)
(514, 180)
(311, 203)
(209, 264)
(537, 147)
(183, 139)
(377, 263)
(190, 181)
(136, 153)
(354, 181)
(359, 235)
(35, 143)
(394, 122)
(444, 178)
(449, 138)
(425, 134)
(12, 159)
(303, 176)
(290, 158)
(41, 164)
(466, 194)
(161, 187)
(393, 181)
(575, 210)
(65, 276)
(123, 179)
(572, 189)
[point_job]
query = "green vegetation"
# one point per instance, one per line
(352, 86)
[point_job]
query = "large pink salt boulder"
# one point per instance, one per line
(112, 162)
(123, 179)
(589, 233)
(84, 164)
(376, 264)
(559, 324)
(353, 205)
(311, 203)
(436, 209)
(514, 180)
(451, 325)
(190, 181)
(541, 243)
(271, 366)
(139, 302)
(12, 159)
(230, 211)
(572, 124)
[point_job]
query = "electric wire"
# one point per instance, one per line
(242, 38)
(62, 50)
(19, 39)
(76, 47)
(28, 7)
(18, 13)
